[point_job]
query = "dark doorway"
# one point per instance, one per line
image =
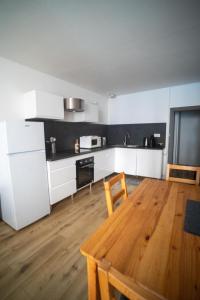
(184, 143)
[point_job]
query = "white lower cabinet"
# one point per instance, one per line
(149, 163)
(103, 163)
(62, 179)
(126, 160)
(141, 162)
(62, 191)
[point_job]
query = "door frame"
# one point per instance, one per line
(171, 127)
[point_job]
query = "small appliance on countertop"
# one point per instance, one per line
(90, 141)
(152, 142)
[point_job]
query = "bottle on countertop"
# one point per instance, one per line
(145, 142)
(103, 141)
(77, 146)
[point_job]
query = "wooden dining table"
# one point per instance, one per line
(144, 241)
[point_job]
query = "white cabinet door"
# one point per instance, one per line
(91, 112)
(104, 164)
(149, 163)
(61, 163)
(43, 105)
(109, 161)
(30, 187)
(125, 161)
(24, 136)
(60, 176)
(62, 191)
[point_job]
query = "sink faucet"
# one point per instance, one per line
(127, 136)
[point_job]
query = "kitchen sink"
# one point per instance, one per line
(132, 146)
(126, 146)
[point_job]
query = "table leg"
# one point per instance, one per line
(93, 289)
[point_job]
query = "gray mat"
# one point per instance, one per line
(192, 217)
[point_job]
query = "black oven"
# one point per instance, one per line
(84, 172)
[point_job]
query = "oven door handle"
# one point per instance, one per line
(86, 166)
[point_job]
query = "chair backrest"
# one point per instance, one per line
(110, 277)
(111, 199)
(184, 171)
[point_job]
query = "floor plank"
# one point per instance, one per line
(43, 261)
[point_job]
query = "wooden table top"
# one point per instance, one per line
(144, 240)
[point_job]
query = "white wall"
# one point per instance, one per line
(185, 95)
(144, 107)
(16, 79)
(152, 106)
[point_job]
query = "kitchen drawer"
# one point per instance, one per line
(61, 163)
(62, 191)
(61, 176)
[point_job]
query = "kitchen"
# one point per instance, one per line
(73, 150)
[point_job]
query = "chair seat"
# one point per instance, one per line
(122, 297)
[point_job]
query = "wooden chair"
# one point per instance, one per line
(195, 170)
(110, 277)
(111, 199)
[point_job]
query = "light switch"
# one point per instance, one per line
(157, 135)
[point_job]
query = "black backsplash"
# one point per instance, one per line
(67, 132)
(137, 132)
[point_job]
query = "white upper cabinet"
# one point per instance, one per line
(43, 105)
(90, 114)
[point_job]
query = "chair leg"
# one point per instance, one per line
(124, 187)
(168, 171)
(104, 284)
(198, 177)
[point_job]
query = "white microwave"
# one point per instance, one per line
(90, 141)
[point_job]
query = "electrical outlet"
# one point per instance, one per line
(157, 135)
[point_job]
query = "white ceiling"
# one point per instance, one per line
(108, 46)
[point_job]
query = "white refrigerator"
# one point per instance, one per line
(24, 193)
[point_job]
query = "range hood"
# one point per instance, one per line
(74, 104)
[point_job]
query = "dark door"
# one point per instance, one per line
(187, 138)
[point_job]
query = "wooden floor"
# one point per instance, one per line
(43, 261)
